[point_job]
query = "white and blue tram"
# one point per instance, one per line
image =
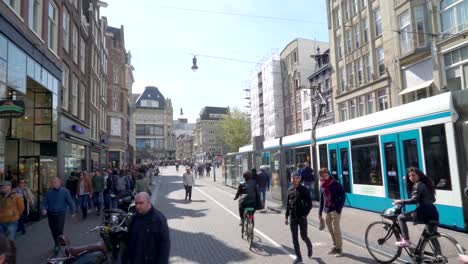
(370, 155)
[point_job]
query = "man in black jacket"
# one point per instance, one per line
(148, 234)
(298, 207)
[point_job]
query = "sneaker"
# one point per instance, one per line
(297, 261)
(332, 251)
(309, 252)
(404, 243)
(339, 253)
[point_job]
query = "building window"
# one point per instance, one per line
(15, 5)
(75, 43)
(382, 100)
(420, 19)
(348, 41)
(436, 156)
(454, 16)
(368, 62)
(381, 61)
(65, 86)
(357, 36)
(370, 103)
(339, 41)
(82, 55)
(35, 16)
(350, 70)
(329, 104)
(75, 95)
(352, 108)
(365, 30)
(52, 25)
(337, 15)
(362, 105)
(327, 84)
(363, 3)
(115, 77)
(116, 126)
(406, 42)
(366, 161)
(307, 114)
(377, 22)
(341, 79)
(360, 72)
(346, 10)
(343, 111)
(355, 6)
(294, 57)
(115, 101)
(82, 101)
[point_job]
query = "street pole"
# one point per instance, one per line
(313, 138)
(214, 170)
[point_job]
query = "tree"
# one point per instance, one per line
(234, 130)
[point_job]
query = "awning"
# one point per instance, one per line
(416, 87)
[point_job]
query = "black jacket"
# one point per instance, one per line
(248, 193)
(299, 202)
(148, 239)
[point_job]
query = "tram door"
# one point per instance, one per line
(399, 152)
(340, 167)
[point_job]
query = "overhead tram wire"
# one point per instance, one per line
(295, 20)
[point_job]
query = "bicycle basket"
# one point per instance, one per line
(391, 212)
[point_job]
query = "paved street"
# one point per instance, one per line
(202, 231)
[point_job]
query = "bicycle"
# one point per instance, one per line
(432, 247)
(248, 226)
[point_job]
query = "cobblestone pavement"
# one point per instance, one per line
(204, 230)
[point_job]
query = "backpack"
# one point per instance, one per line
(120, 184)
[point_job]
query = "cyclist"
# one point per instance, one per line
(247, 191)
(422, 192)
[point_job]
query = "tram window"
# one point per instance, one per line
(436, 156)
(366, 161)
(323, 156)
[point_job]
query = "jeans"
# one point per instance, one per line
(97, 200)
(76, 200)
(21, 221)
(9, 229)
(310, 186)
(332, 220)
(188, 192)
(56, 224)
(295, 225)
(262, 191)
(84, 205)
(402, 219)
(107, 199)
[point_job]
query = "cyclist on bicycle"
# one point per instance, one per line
(247, 191)
(422, 192)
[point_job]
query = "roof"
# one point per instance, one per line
(151, 93)
(213, 113)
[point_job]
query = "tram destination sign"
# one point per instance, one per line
(11, 108)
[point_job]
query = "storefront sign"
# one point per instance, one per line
(11, 108)
(78, 129)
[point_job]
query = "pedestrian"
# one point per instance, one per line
(107, 190)
(72, 185)
(7, 250)
(141, 184)
(332, 199)
(298, 206)
(189, 181)
(208, 169)
(98, 188)
(263, 183)
(54, 205)
(84, 190)
(308, 178)
(28, 200)
(300, 168)
(11, 209)
(148, 234)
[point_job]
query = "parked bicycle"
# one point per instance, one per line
(432, 247)
(248, 226)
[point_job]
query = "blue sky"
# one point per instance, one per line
(161, 41)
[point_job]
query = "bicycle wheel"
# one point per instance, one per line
(440, 248)
(250, 232)
(380, 242)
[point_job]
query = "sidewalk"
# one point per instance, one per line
(354, 222)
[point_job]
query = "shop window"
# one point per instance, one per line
(436, 156)
(366, 161)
